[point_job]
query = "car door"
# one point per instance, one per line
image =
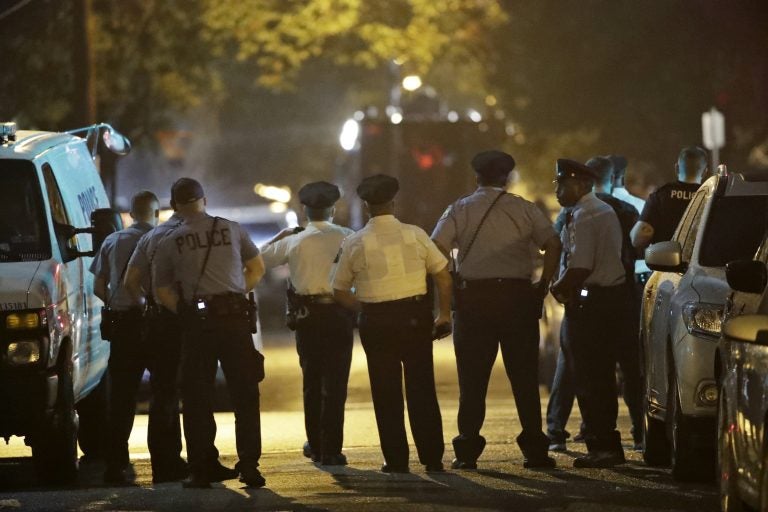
(666, 286)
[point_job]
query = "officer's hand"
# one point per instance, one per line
(442, 327)
(559, 295)
(284, 233)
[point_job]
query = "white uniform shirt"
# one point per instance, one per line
(623, 194)
(387, 260)
(310, 255)
(592, 240)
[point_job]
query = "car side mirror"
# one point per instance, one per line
(747, 328)
(748, 276)
(665, 257)
(116, 142)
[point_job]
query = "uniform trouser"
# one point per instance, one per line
(131, 352)
(591, 328)
(397, 339)
(204, 343)
(489, 315)
(324, 345)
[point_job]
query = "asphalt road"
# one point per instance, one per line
(295, 483)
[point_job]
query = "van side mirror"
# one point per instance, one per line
(104, 221)
(115, 141)
(665, 257)
(748, 276)
(747, 328)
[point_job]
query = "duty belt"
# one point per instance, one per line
(394, 304)
(325, 298)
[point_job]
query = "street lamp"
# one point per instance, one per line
(411, 82)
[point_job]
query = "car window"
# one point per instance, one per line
(734, 230)
(23, 227)
(68, 246)
(689, 227)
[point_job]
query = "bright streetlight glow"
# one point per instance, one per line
(474, 115)
(396, 118)
(453, 116)
(349, 133)
(411, 82)
(279, 194)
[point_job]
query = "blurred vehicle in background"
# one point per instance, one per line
(682, 311)
(743, 379)
(53, 215)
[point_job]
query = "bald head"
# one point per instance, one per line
(145, 207)
(691, 164)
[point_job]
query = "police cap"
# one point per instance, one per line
(565, 168)
(493, 163)
(378, 189)
(319, 194)
(186, 190)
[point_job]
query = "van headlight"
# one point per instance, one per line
(24, 352)
(703, 319)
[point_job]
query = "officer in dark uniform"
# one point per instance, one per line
(665, 207)
(324, 330)
(592, 285)
(387, 263)
(496, 304)
(562, 394)
(129, 352)
(203, 269)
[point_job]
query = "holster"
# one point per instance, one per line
(295, 309)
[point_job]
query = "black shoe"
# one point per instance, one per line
(308, 453)
(218, 473)
(542, 462)
(388, 468)
(434, 467)
(463, 464)
(115, 476)
(178, 471)
(599, 459)
(557, 446)
(196, 482)
(334, 460)
(252, 478)
(579, 438)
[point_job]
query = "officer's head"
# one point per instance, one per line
(492, 168)
(619, 169)
(187, 196)
(318, 199)
(145, 207)
(574, 180)
(691, 164)
(602, 167)
(378, 192)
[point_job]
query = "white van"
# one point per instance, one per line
(53, 213)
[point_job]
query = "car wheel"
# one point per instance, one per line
(729, 495)
(54, 445)
(690, 458)
(92, 411)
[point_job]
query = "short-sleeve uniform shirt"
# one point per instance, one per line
(502, 248)
(181, 254)
(112, 259)
(310, 256)
(387, 260)
(146, 250)
(592, 241)
(665, 208)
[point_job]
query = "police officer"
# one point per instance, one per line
(164, 341)
(203, 269)
(562, 394)
(387, 263)
(592, 287)
(496, 303)
(324, 332)
(619, 190)
(129, 353)
(665, 206)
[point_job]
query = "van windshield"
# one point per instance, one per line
(23, 229)
(735, 228)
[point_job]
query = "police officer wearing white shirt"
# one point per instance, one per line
(592, 287)
(496, 303)
(619, 190)
(387, 263)
(324, 333)
(129, 352)
(203, 269)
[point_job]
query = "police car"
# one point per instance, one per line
(53, 214)
(682, 312)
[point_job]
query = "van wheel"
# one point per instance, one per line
(655, 443)
(54, 446)
(691, 459)
(729, 494)
(92, 411)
